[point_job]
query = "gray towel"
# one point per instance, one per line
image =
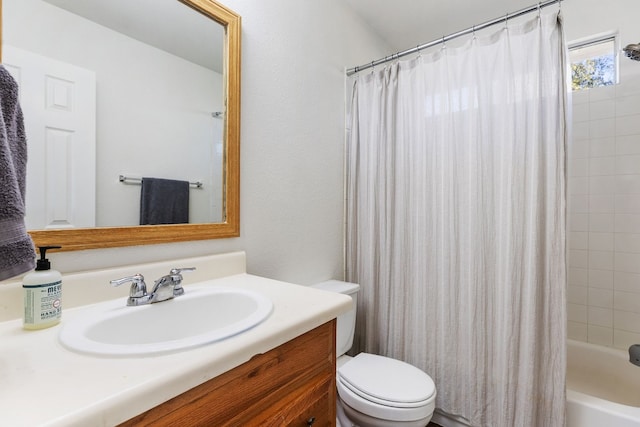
(17, 254)
(164, 201)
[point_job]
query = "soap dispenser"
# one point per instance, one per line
(42, 290)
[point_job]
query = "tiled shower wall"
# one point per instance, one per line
(604, 213)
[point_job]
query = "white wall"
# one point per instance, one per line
(293, 58)
(604, 188)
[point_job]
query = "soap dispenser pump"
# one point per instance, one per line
(42, 290)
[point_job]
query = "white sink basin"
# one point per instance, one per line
(201, 316)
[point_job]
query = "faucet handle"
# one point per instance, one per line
(176, 273)
(180, 270)
(176, 276)
(138, 287)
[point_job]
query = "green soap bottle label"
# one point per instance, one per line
(42, 303)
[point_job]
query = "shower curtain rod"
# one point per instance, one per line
(445, 39)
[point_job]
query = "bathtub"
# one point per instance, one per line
(603, 388)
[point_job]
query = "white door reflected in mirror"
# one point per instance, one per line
(59, 103)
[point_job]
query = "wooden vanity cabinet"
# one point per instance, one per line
(291, 385)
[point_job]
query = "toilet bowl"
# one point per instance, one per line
(376, 391)
(397, 394)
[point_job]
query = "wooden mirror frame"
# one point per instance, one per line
(110, 237)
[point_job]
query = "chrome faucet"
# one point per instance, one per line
(166, 287)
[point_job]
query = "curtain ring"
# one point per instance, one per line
(506, 21)
(474, 32)
(539, 9)
(444, 46)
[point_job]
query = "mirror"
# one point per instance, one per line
(216, 211)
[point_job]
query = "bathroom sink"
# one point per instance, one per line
(201, 316)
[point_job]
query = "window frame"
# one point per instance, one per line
(594, 40)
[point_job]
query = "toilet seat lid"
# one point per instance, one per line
(387, 381)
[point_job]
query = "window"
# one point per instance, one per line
(594, 62)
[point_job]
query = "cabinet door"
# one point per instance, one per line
(288, 385)
(315, 406)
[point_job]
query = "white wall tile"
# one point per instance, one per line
(579, 167)
(578, 222)
(626, 242)
(622, 339)
(580, 113)
(629, 263)
(627, 105)
(601, 260)
(627, 321)
(601, 242)
(603, 165)
(579, 185)
(624, 301)
(606, 128)
(606, 151)
(629, 164)
(602, 92)
(604, 109)
(577, 313)
(629, 84)
(625, 281)
(578, 258)
(601, 279)
(626, 125)
(579, 240)
(577, 331)
(602, 146)
(578, 276)
(579, 97)
(600, 335)
(579, 148)
(602, 203)
(627, 203)
(578, 295)
(603, 223)
(627, 184)
(602, 184)
(628, 144)
(579, 203)
(602, 298)
(580, 131)
(627, 223)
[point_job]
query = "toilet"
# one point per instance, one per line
(376, 391)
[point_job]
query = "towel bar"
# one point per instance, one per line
(131, 180)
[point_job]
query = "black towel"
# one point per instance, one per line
(164, 201)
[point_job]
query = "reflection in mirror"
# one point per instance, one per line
(128, 89)
(133, 89)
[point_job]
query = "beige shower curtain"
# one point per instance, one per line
(456, 221)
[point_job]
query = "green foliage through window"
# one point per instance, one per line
(593, 72)
(594, 62)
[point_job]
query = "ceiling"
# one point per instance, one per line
(159, 23)
(402, 24)
(405, 24)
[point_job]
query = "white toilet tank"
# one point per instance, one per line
(346, 322)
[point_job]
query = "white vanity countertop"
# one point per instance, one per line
(43, 384)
